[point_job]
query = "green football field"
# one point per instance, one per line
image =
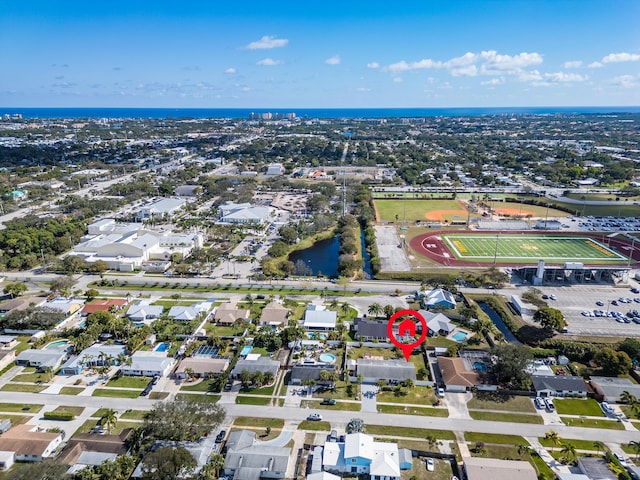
(517, 248)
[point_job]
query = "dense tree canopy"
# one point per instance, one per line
(509, 368)
(168, 463)
(611, 362)
(180, 420)
(550, 318)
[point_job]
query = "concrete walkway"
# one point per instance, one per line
(457, 404)
(555, 465)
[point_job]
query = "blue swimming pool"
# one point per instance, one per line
(327, 358)
(460, 336)
(58, 344)
(246, 350)
(479, 367)
(161, 347)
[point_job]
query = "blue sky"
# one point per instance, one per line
(258, 54)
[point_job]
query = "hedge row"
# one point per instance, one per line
(65, 416)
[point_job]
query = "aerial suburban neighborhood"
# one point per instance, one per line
(232, 298)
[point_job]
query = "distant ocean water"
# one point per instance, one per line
(244, 113)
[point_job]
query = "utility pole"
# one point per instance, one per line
(495, 253)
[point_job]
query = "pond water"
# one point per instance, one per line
(495, 318)
(321, 258)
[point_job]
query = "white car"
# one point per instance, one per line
(316, 417)
(621, 459)
(441, 392)
(431, 465)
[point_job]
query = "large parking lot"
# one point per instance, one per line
(574, 300)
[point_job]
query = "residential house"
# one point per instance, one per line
(19, 303)
(274, 313)
(7, 342)
(6, 460)
(393, 370)
(228, 313)
(611, 388)
(95, 442)
(305, 372)
(6, 357)
(200, 451)
(559, 386)
(275, 169)
(457, 375)
(370, 330)
(90, 459)
(41, 359)
(247, 459)
(202, 367)
(596, 467)
(318, 318)
(437, 323)
(323, 476)
(186, 314)
(478, 468)
(148, 364)
(187, 190)
(67, 306)
(359, 454)
(97, 355)
(142, 310)
(437, 298)
(103, 305)
(29, 444)
(256, 363)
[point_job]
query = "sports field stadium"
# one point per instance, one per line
(488, 248)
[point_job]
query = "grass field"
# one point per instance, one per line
(420, 210)
(516, 248)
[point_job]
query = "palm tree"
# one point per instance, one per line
(388, 310)
(109, 420)
(375, 309)
(189, 373)
(626, 397)
(569, 453)
(334, 304)
(553, 437)
(345, 308)
(599, 445)
(432, 441)
(268, 378)
(635, 445)
(524, 449)
(216, 462)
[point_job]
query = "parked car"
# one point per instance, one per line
(328, 401)
(549, 404)
(431, 465)
(220, 436)
(441, 392)
(539, 403)
(315, 417)
(606, 408)
(621, 459)
(600, 303)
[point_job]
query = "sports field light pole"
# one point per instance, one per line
(495, 253)
(633, 242)
(546, 216)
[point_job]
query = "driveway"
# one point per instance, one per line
(457, 404)
(368, 400)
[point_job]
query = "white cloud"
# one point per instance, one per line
(373, 65)
(494, 81)
(488, 62)
(562, 77)
(621, 57)
(335, 60)
(626, 81)
(230, 71)
(573, 64)
(530, 76)
(363, 89)
(595, 65)
(267, 42)
(468, 71)
(269, 62)
(397, 79)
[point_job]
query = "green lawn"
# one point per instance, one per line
(340, 392)
(71, 390)
(20, 407)
(410, 410)
(579, 444)
(517, 248)
(588, 407)
(15, 419)
(414, 395)
(19, 387)
(245, 400)
(592, 423)
(158, 395)
(268, 390)
(134, 415)
(395, 431)
(129, 382)
(219, 330)
(495, 438)
(104, 392)
(419, 210)
(259, 422)
(89, 425)
(69, 409)
(32, 377)
(505, 417)
(201, 386)
(314, 425)
(196, 397)
(507, 403)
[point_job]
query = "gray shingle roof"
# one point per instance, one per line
(558, 383)
(386, 369)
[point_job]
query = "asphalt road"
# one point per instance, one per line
(341, 418)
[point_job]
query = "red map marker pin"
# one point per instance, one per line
(407, 327)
